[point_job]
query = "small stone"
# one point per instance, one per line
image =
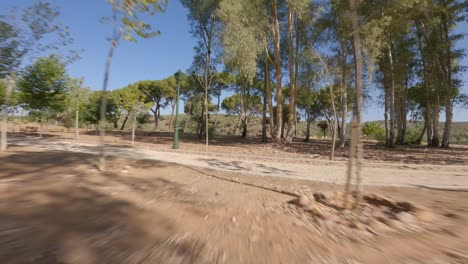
(407, 218)
(217, 193)
(124, 171)
(338, 195)
(233, 219)
(127, 167)
(302, 200)
(319, 197)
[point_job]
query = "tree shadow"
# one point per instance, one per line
(239, 166)
(46, 217)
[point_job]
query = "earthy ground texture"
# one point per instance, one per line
(55, 207)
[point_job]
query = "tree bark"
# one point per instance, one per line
(292, 100)
(278, 73)
(356, 147)
(344, 93)
(171, 127)
(124, 122)
(133, 128)
(102, 125)
(264, 118)
(269, 97)
(4, 132)
(77, 124)
(435, 122)
(392, 100)
(307, 136)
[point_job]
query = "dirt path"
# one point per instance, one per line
(55, 208)
(375, 174)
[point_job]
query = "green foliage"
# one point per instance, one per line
(373, 130)
(90, 114)
(128, 12)
(43, 84)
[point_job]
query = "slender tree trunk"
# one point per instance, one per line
(307, 136)
(244, 127)
(292, 88)
(124, 122)
(344, 98)
(218, 106)
(448, 122)
(9, 90)
(239, 123)
(447, 84)
(387, 128)
(423, 132)
(278, 72)
(435, 122)
(392, 100)
(133, 127)
(356, 150)
(41, 129)
(269, 97)
(102, 123)
(77, 124)
(334, 123)
(171, 127)
(264, 118)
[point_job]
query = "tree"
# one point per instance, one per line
(158, 94)
(204, 22)
(43, 85)
(131, 99)
(355, 148)
(38, 31)
(77, 98)
(243, 106)
(126, 24)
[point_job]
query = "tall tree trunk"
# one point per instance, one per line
(102, 122)
(386, 106)
(124, 122)
(448, 83)
(307, 135)
(77, 124)
(448, 121)
(9, 90)
(244, 127)
(278, 73)
(392, 99)
(41, 128)
(334, 123)
(435, 122)
(292, 87)
(133, 127)
(356, 147)
(171, 127)
(264, 118)
(344, 95)
(269, 97)
(218, 106)
(423, 132)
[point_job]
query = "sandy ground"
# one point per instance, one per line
(55, 207)
(435, 176)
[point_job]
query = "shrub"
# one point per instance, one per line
(373, 130)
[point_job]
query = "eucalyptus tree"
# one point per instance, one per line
(126, 24)
(204, 23)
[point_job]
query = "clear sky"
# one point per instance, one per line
(155, 58)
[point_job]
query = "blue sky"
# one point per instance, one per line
(155, 58)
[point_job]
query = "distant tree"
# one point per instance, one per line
(158, 94)
(77, 98)
(43, 85)
(204, 22)
(243, 106)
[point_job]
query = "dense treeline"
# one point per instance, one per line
(282, 60)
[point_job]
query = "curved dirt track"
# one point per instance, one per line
(378, 174)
